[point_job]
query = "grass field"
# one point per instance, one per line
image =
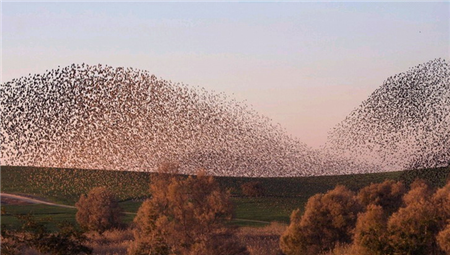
(283, 195)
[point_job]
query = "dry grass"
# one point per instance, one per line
(113, 242)
(264, 240)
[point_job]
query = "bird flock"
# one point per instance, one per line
(101, 117)
(404, 124)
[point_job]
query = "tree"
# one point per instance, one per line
(293, 241)
(328, 220)
(413, 229)
(441, 200)
(253, 189)
(185, 216)
(443, 239)
(370, 232)
(388, 195)
(99, 210)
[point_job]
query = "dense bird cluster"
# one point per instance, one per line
(100, 117)
(124, 119)
(404, 124)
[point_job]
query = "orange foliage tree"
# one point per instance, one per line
(185, 216)
(99, 210)
(328, 220)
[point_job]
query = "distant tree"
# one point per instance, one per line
(185, 216)
(99, 210)
(387, 194)
(371, 231)
(253, 189)
(328, 220)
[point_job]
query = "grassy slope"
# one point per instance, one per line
(282, 194)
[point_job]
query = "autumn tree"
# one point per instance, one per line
(443, 239)
(328, 220)
(387, 194)
(185, 216)
(99, 210)
(371, 231)
(252, 189)
(413, 228)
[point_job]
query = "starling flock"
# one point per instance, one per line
(100, 117)
(404, 124)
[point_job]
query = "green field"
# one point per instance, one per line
(283, 195)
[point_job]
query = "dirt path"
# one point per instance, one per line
(37, 201)
(33, 200)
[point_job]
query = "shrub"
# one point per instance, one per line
(262, 240)
(328, 220)
(99, 210)
(33, 236)
(443, 239)
(412, 230)
(388, 195)
(253, 189)
(370, 232)
(185, 216)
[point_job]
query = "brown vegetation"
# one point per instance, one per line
(391, 222)
(253, 189)
(262, 240)
(387, 194)
(34, 238)
(185, 216)
(99, 210)
(328, 220)
(110, 242)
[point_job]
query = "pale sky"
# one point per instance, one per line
(304, 65)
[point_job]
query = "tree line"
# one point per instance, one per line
(383, 218)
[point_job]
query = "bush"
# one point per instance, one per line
(328, 220)
(33, 236)
(185, 216)
(388, 195)
(253, 189)
(412, 230)
(443, 239)
(99, 210)
(370, 232)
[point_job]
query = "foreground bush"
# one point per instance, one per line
(185, 216)
(328, 220)
(371, 231)
(262, 240)
(33, 237)
(110, 242)
(387, 194)
(99, 210)
(443, 239)
(419, 225)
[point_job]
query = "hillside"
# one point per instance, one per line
(66, 185)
